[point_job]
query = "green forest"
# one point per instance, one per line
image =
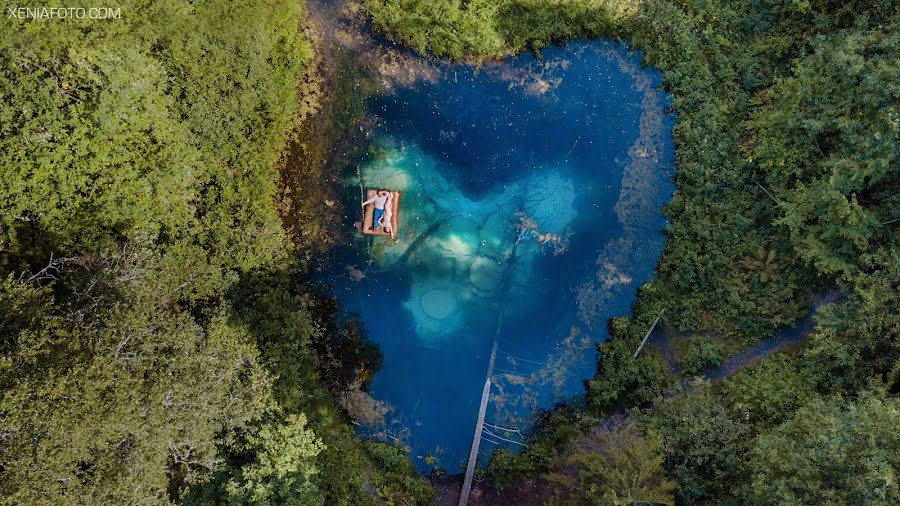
(158, 343)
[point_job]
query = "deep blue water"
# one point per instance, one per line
(472, 149)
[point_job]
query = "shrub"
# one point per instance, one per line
(769, 392)
(702, 353)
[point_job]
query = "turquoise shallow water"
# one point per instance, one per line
(532, 190)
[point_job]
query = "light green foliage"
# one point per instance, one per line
(702, 353)
(119, 131)
(481, 29)
(831, 452)
(769, 392)
(445, 27)
(704, 447)
(106, 400)
(283, 466)
(620, 467)
(144, 364)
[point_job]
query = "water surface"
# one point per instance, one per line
(530, 214)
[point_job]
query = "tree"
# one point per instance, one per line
(621, 378)
(620, 466)
(394, 479)
(702, 353)
(769, 392)
(128, 374)
(282, 467)
(703, 446)
(827, 142)
(854, 343)
(831, 452)
(109, 398)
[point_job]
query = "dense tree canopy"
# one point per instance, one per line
(156, 346)
(832, 452)
(622, 467)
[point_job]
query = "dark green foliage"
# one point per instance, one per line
(833, 451)
(21, 307)
(827, 144)
(769, 392)
(851, 346)
(345, 356)
(554, 433)
(622, 379)
(394, 479)
(507, 467)
(704, 447)
(702, 353)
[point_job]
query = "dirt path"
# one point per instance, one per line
(662, 341)
(762, 350)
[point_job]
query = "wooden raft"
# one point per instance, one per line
(370, 212)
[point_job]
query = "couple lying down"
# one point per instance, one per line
(381, 217)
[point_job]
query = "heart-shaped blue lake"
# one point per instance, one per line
(530, 213)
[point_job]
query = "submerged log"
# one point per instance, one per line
(485, 393)
(476, 436)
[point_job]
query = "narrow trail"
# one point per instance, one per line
(761, 350)
(661, 340)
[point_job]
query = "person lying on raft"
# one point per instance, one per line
(380, 199)
(388, 212)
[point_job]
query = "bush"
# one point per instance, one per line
(621, 379)
(394, 478)
(623, 466)
(554, 433)
(704, 447)
(702, 353)
(769, 392)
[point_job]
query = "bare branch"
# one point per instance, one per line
(48, 273)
